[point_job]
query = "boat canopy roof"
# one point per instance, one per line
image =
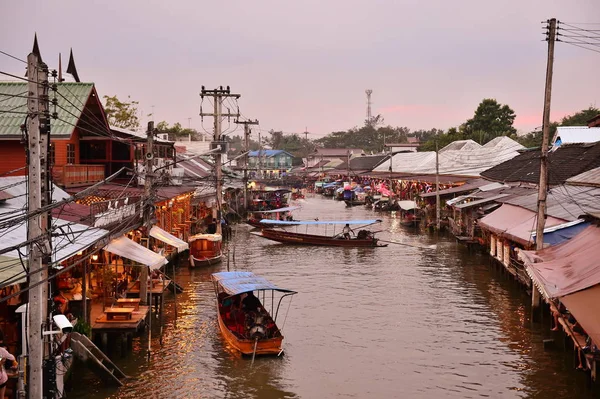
(208, 237)
(311, 222)
(286, 209)
(332, 184)
(234, 283)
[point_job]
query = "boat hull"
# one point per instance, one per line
(203, 262)
(286, 237)
(270, 346)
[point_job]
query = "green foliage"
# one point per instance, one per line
(177, 130)
(443, 139)
(369, 137)
(83, 327)
(491, 120)
(294, 144)
(236, 145)
(581, 118)
(121, 114)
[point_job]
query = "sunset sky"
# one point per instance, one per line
(308, 63)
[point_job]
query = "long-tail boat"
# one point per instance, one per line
(274, 214)
(364, 238)
(205, 249)
(244, 319)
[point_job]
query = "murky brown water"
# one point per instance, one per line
(395, 322)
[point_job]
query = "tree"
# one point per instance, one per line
(491, 120)
(121, 114)
(580, 118)
(177, 130)
(443, 138)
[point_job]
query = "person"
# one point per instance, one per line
(212, 227)
(346, 231)
(250, 303)
(6, 361)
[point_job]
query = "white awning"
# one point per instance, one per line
(129, 249)
(168, 238)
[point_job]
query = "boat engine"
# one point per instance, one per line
(256, 326)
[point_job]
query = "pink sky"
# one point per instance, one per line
(307, 64)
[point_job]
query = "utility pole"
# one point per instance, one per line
(437, 187)
(306, 133)
(148, 206)
(247, 132)
(543, 186)
(218, 95)
(38, 132)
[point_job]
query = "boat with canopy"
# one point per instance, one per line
(364, 238)
(205, 249)
(274, 214)
(244, 319)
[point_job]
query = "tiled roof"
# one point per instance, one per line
(565, 162)
(13, 99)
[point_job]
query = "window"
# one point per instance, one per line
(52, 154)
(71, 153)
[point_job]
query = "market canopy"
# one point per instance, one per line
(234, 283)
(568, 267)
(585, 307)
(129, 249)
(313, 222)
(169, 238)
(514, 223)
(286, 209)
(407, 205)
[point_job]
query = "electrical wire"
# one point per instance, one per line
(12, 56)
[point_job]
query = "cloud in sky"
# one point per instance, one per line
(307, 64)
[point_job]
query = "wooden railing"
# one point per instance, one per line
(77, 175)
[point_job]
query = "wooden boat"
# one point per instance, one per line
(274, 214)
(243, 318)
(409, 213)
(364, 238)
(205, 250)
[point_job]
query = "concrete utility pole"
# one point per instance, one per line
(368, 92)
(218, 95)
(348, 165)
(148, 207)
(543, 186)
(247, 132)
(38, 131)
(437, 187)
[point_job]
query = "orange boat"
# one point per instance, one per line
(205, 250)
(244, 320)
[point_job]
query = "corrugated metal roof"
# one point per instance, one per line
(268, 153)
(563, 202)
(13, 99)
(469, 160)
(460, 145)
(576, 134)
(589, 178)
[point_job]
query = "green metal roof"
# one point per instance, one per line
(69, 112)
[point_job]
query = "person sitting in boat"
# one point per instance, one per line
(346, 231)
(250, 303)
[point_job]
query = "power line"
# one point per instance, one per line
(13, 57)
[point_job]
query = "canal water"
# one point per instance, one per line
(403, 321)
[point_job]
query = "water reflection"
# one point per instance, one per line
(367, 322)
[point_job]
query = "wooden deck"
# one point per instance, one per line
(101, 324)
